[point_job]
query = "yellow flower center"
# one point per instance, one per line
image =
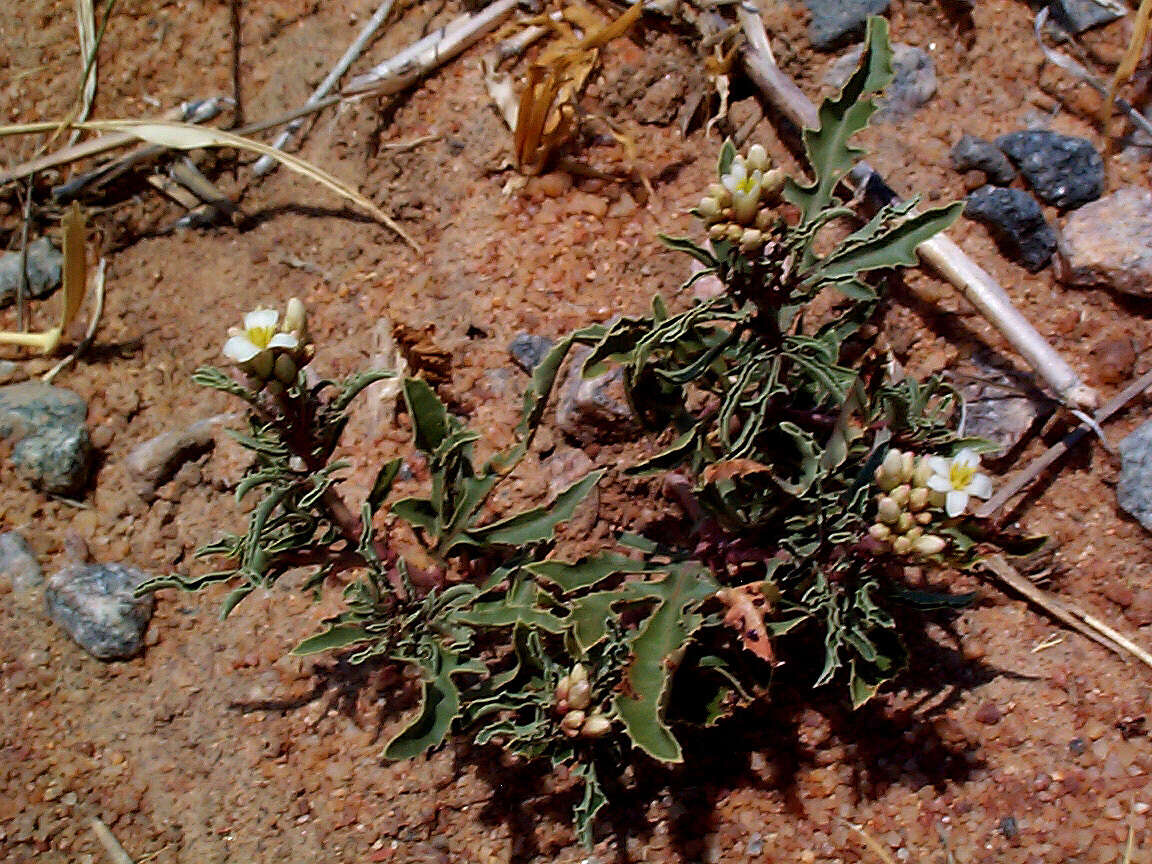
(261, 336)
(960, 474)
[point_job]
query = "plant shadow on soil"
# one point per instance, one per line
(890, 746)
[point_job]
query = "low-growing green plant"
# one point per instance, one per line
(809, 472)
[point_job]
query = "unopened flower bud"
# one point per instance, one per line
(563, 686)
(757, 158)
(596, 726)
(773, 183)
(879, 532)
(751, 240)
(734, 233)
(571, 723)
(924, 517)
(907, 465)
(901, 494)
(763, 219)
(917, 499)
(902, 545)
(904, 523)
(887, 510)
(579, 673)
(709, 209)
(914, 533)
(717, 231)
(295, 318)
(285, 369)
(723, 196)
(261, 366)
(930, 544)
(580, 695)
(922, 473)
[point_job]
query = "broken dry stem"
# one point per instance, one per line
(1046, 459)
(429, 53)
(1065, 611)
(265, 164)
(940, 253)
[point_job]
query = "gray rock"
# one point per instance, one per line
(1108, 243)
(154, 462)
(94, 603)
(976, 154)
(1134, 488)
(1017, 223)
(528, 349)
(1000, 405)
(1061, 169)
(594, 410)
(50, 443)
(19, 568)
(1076, 16)
(44, 270)
(835, 22)
(57, 460)
(913, 80)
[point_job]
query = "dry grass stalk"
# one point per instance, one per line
(940, 253)
(185, 136)
(265, 164)
(1065, 611)
(1141, 26)
(429, 53)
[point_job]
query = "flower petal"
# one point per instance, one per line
(940, 465)
(241, 349)
(967, 457)
(955, 503)
(981, 486)
(283, 340)
(260, 318)
(939, 484)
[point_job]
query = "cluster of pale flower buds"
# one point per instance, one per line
(269, 352)
(737, 208)
(904, 505)
(573, 700)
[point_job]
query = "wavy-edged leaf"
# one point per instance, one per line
(536, 525)
(889, 246)
(656, 649)
(829, 153)
(439, 705)
(336, 636)
(417, 512)
(429, 416)
(575, 575)
(382, 485)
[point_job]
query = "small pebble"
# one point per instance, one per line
(988, 714)
(1108, 243)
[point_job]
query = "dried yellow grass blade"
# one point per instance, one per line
(75, 225)
(86, 33)
(186, 136)
(1141, 25)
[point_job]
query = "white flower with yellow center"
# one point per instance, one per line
(259, 335)
(744, 187)
(958, 479)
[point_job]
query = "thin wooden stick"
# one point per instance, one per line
(111, 845)
(1053, 453)
(1065, 611)
(432, 51)
(939, 253)
(265, 164)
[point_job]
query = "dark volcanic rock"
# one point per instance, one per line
(976, 154)
(1017, 223)
(1062, 170)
